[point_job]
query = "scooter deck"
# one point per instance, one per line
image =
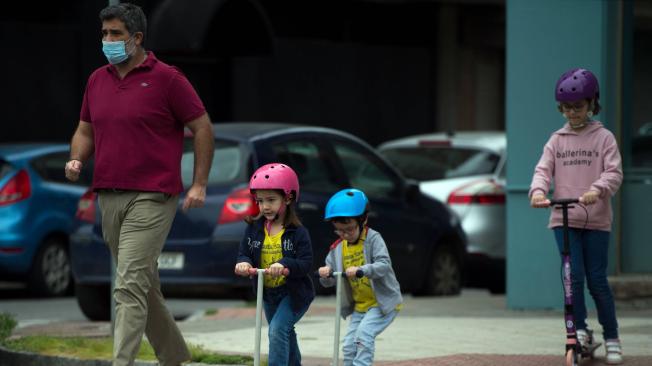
(590, 348)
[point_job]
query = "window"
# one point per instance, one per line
(642, 149)
(51, 168)
(503, 171)
(365, 172)
(315, 174)
(228, 162)
(638, 114)
(5, 168)
(423, 164)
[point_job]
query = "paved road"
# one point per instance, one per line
(30, 309)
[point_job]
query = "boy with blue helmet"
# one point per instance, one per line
(373, 301)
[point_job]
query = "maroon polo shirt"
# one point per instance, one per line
(138, 125)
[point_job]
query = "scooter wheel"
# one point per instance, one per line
(571, 358)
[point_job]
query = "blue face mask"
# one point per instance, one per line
(115, 52)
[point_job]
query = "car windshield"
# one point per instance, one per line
(228, 161)
(433, 163)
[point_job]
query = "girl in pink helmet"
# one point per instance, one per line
(276, 240)
(583, 161)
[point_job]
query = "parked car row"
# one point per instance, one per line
(424, 237)
(437, 199)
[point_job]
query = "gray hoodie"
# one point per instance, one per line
(377, 267)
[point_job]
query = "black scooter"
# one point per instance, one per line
(574, 350)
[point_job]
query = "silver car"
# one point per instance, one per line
(467, 171)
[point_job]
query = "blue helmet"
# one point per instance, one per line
(349, 202)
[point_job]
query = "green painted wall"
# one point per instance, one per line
(544, 39)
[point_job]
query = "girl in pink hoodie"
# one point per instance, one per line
(583, 161)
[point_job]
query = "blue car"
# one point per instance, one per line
(37, 208)
(425, 240)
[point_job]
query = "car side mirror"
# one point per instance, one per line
(412, 191)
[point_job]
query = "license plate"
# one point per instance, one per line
(170, 261)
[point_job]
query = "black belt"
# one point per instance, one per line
(112, 190)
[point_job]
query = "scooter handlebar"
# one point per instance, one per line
(359, 274)
(564, 201)
(253, 271)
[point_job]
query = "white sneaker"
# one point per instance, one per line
(583, 337)
(614, 352)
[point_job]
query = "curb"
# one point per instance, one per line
(10, 357)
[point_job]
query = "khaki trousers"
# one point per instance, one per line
(135, 226)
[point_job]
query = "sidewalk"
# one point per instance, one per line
(472, 329)
(447, 331)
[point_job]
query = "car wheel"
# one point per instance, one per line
(497, 288)
(497, 278)
(445, 273)
(51, 274)
(94, 301)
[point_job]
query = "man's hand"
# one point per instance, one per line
(195, 198)
(73, 169)
(539, 200)
(590, 197)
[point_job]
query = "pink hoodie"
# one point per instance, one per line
(578, 162)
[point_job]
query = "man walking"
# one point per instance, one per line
(132, 119)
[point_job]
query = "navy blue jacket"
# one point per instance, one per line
(297, 258)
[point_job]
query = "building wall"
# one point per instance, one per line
(380, 70)
(372, 91)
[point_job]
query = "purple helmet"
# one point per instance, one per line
(577, 84)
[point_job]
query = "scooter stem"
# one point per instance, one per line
(569, 319)
(338, 313)
(259, 315)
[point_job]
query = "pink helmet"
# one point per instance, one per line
(275, 176)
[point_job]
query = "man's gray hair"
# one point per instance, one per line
(130, 14)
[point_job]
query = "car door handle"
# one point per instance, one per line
(308, 206)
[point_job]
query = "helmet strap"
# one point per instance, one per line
(361, 230)
(362, 221)
(577, 126)
(279, 214)
(582, 124)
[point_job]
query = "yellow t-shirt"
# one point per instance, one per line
(271, 253)
(363, 294)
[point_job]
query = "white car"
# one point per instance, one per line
(467, 171)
